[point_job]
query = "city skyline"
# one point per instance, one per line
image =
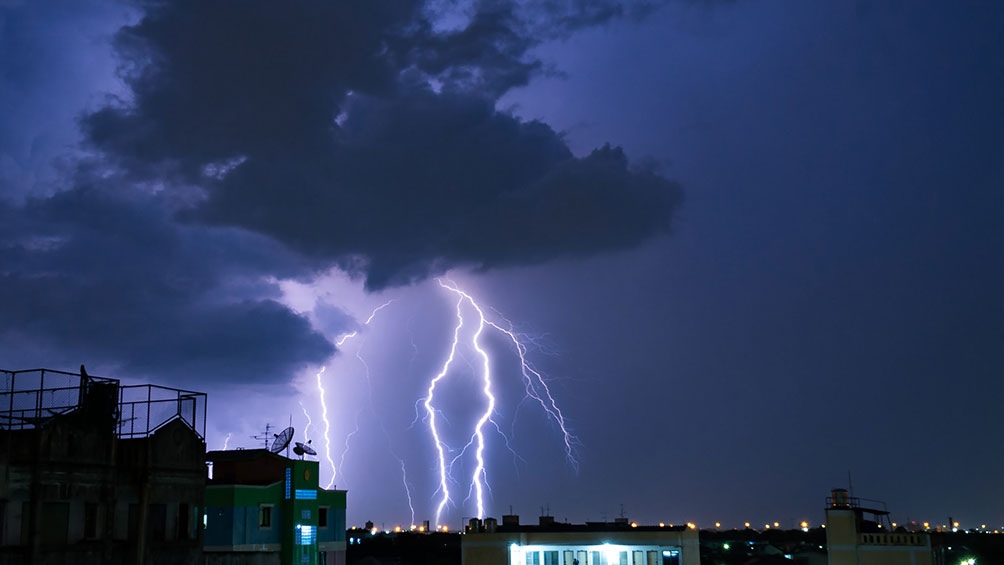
(750, 249)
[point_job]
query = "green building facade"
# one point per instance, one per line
(266, 509)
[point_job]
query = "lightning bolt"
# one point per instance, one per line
(444, 488)
(358, 355)
(534, 383)
(354, 333)
(310, 422)
(226, 441)
(327, 427)
(533, 379)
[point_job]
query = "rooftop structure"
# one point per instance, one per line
(863, 535)
(262, 507)
(96, 472)
(593, 543)
(30, 398)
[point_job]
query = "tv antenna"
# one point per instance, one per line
(264, 436)
(302, 449)
(282, 440)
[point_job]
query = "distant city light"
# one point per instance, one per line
(747, 524)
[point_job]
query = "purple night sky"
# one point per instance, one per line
(751, 247)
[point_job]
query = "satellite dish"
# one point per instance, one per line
(281, 440)
(303, 448)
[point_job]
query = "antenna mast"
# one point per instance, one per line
(264, 436)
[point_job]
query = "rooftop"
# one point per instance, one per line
(30, 398)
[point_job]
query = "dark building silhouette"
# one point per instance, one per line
(96, 472)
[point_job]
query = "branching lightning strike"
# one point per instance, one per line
(535, 385)
(341, 341)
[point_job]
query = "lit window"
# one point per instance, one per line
(306, 494)
(305, 535)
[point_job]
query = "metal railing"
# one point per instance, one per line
(30, 398)
(144, 409)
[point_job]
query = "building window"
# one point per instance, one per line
(265, 516)
(305, 535)
(156, 522)
(305, 514)
(533, 558)
(184, 531)
(133, 522)
(322, 517)
(90, 520)
(551, 558)
(25, 521)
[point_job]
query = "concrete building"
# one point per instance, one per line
(266, 509)
(551, 543)
(95, 472)
(858, 535)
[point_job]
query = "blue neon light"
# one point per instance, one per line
(306, 494)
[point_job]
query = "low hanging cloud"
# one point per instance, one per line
(100, 276)
(358, 134)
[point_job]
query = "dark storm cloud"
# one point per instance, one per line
(106, 276)
(357, 133)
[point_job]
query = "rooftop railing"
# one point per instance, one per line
(31, 398)
(144, 409)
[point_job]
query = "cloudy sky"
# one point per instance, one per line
(752, 247)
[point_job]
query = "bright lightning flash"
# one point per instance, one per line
(536, 388)
(327, 427)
